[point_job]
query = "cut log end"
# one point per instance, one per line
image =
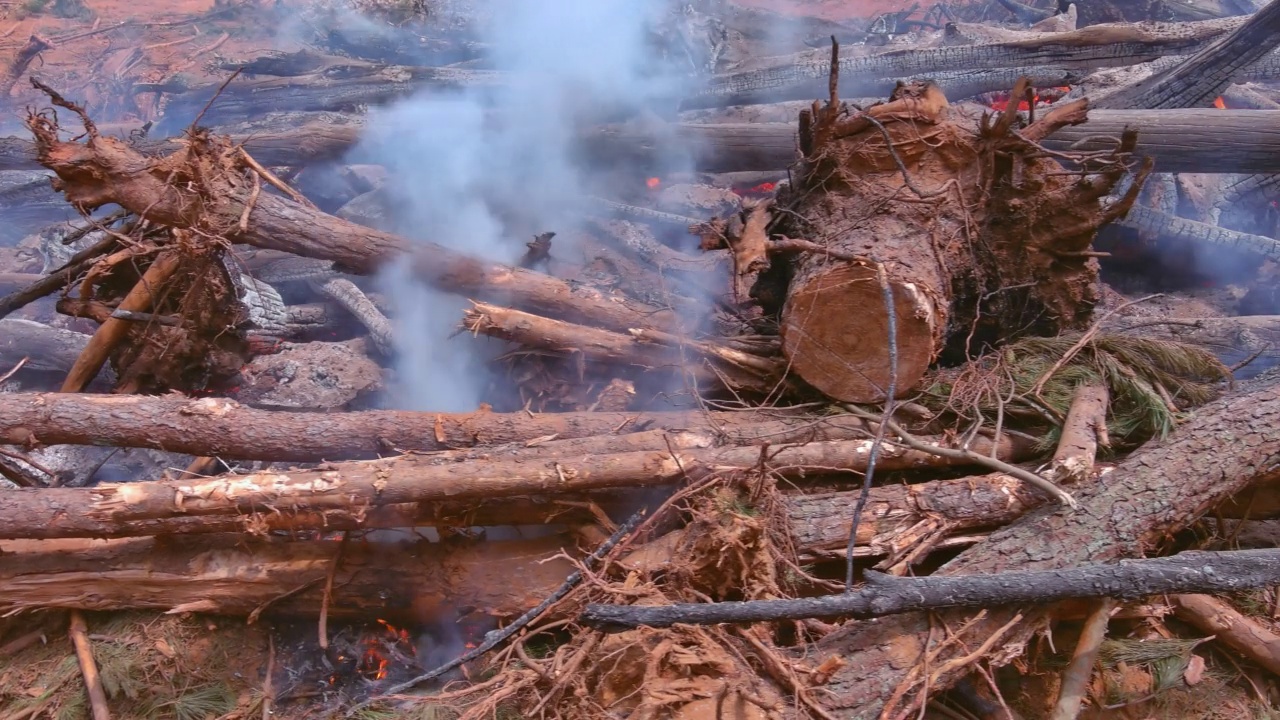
(836, 334)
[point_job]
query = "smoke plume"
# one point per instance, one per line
(483, 170)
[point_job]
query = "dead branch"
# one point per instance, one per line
(888, 595)
(1075, 678)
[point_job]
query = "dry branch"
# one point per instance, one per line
(1231, 628)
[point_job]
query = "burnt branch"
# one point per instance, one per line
(1190, 572)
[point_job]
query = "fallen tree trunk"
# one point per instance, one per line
(341, 85)
(1196, 82)
(934, 184)
(114, 510)
(415, 581)
(1091, 47)
(884, 595)
(1189, 140)
(105, 170)
(219, 427)
(1226, 446)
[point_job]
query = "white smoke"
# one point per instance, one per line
(481, 171)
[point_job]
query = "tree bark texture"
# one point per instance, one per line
(1187, 140)
(105, 170)
(1091, 47)
(933, 188)
(1196, 82)
(1225, 447)
(233, 575)
(220, 427)
(114, 510)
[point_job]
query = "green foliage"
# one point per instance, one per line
(1151, 382)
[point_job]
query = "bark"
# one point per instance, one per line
(105, 170)
(416, 581)
(885, 595)
(1085, 428)
(1090, 47)
(114, 510)
(932, 187)
(1155, 223)
(1196, 82)
(219, 427)
(1231, 628)
(1227, 446)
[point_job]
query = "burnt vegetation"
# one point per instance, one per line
(711, 359)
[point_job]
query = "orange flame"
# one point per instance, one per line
(1219, 103)
(653, 183)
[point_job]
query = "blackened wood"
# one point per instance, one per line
(1191, 572)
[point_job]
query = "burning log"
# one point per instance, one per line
(414, 581)
(1204, 76)
(903, 157)
(338, 84)
(1191, 472)
(105, 170)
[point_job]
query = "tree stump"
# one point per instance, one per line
(982, 237)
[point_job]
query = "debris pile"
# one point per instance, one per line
(855, 415)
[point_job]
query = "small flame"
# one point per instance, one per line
(1219, 103)
(653, 183)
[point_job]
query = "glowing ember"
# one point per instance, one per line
(653, 183)
(1219, 103)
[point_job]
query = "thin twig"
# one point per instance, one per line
(886, 291)
(253, 200)
(268, 685)
(1084, 340)
(209, 104)
(274, 181)
(15, 369)
(323, 626)
(915, 443)
(496, 637)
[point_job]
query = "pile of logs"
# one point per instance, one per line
(895, 356)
